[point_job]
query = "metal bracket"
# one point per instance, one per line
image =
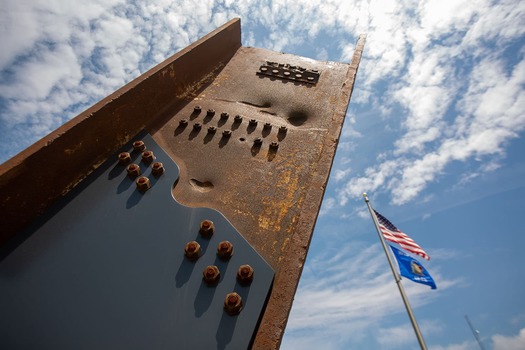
(288, 72)
(114, 266)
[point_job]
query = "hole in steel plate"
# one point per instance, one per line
(201, 186)
(297, 118)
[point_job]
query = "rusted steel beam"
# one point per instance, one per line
(36, 177)
(254, 133)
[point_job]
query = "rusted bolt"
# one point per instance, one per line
(227, 133)
(212, 129)
(197, 126)
(183, 122)
(139, 146)
(211, 275)
(148, 157)
(253, 122)
(238, 118)
(157, 169)
(283, 129)
(224, 115)
(197, 109)
(233, 303)
(206, 228)
(192, 251)
(210, 112)
(267, 125)
(274, 145)
(225, 250)
(245, 274)
(143, 184)
(258, 141)
(124, 158)
(133, 170)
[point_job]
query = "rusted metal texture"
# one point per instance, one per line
(256, 147)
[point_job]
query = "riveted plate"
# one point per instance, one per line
(289, 72)
(105, 269)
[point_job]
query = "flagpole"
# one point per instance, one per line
(397, 279)
(475, 333)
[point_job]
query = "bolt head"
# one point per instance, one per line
(211, 275)
(157, 169)
(267, 125)
(139, 146)
(197, 109)
(183, 122)
(148, 157)
(192, 250)
(197, 126)
(224, 115)
(233, 303)
(274, 145)
(212, 129)
(124, 158)
(133, 170)
(206, 228)
(143, 184)
(210, 112)
(258, 141)
(245, 274)
(238, 118)
(225, 250)
(227, 133)
(253, 122)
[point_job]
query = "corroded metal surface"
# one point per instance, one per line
(268, 172)
(265, 170)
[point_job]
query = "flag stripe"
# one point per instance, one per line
(393, 234)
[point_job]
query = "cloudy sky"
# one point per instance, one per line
(434, 134)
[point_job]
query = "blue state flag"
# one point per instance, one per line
(412, 269)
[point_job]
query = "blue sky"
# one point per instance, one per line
(434, 134)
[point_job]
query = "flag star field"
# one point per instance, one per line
(434, 134)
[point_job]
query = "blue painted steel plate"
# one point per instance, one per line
(105, 269)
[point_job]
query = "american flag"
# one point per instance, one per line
(393, 234)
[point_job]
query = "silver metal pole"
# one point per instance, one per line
(475, 333)
(397, 278)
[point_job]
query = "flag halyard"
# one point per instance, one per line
(394, 235)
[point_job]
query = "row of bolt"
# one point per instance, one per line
(237, 119)
(157, 168)
(286, 73)
(211, 274)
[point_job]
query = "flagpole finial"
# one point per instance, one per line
(365, 196)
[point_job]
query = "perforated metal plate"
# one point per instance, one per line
(105, 269)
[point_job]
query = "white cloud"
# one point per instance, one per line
(467, 345)
(516, 342)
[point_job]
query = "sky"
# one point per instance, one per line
(434, 134)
